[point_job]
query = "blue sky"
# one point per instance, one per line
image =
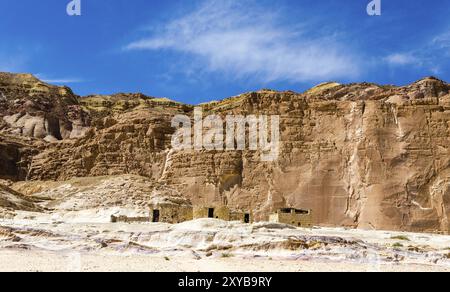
(200, 50)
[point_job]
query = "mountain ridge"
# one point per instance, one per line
(30, 78)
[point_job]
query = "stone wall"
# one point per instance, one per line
(127, 219)
(293, 217)
(172, 214)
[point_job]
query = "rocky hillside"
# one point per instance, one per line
(359, 155)
(12, 201)
(32, 108)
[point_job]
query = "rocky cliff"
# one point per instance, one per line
(32, 108)
(359, 155)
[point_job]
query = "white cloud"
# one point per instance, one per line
(429, 56)
(45, 79)
(246, 41)
(442, 42)
(402, 59)
(62, 81)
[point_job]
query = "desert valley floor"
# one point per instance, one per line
(47, 244)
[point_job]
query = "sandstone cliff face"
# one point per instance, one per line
(129, 136)
(15, 157)
(358, 155)
(35, 109)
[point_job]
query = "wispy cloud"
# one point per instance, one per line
(442, 41)
(402, 59)
(428, 56)
(62, 81)
(242, 41)
(46, 79)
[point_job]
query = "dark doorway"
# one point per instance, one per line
(247, 218)
(155, 216)
(211, 213)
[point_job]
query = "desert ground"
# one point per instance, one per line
(36, 242)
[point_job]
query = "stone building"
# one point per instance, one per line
(296, 217)
(128, 219)
(239, 215)
(223, 213)
(171, 208)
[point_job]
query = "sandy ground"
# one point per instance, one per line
(31, 242)
(40, 261)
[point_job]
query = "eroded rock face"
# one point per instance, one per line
(11, 201)
(15, 157)
(358, 155)
(135, 142)
(32, 108)
(369, 162)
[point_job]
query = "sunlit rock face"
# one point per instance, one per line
(359, 155)
(34, 109)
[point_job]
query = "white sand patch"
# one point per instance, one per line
(217, 242)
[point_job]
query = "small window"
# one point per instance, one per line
(286, 211)
(211, 213)
(302, 212)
